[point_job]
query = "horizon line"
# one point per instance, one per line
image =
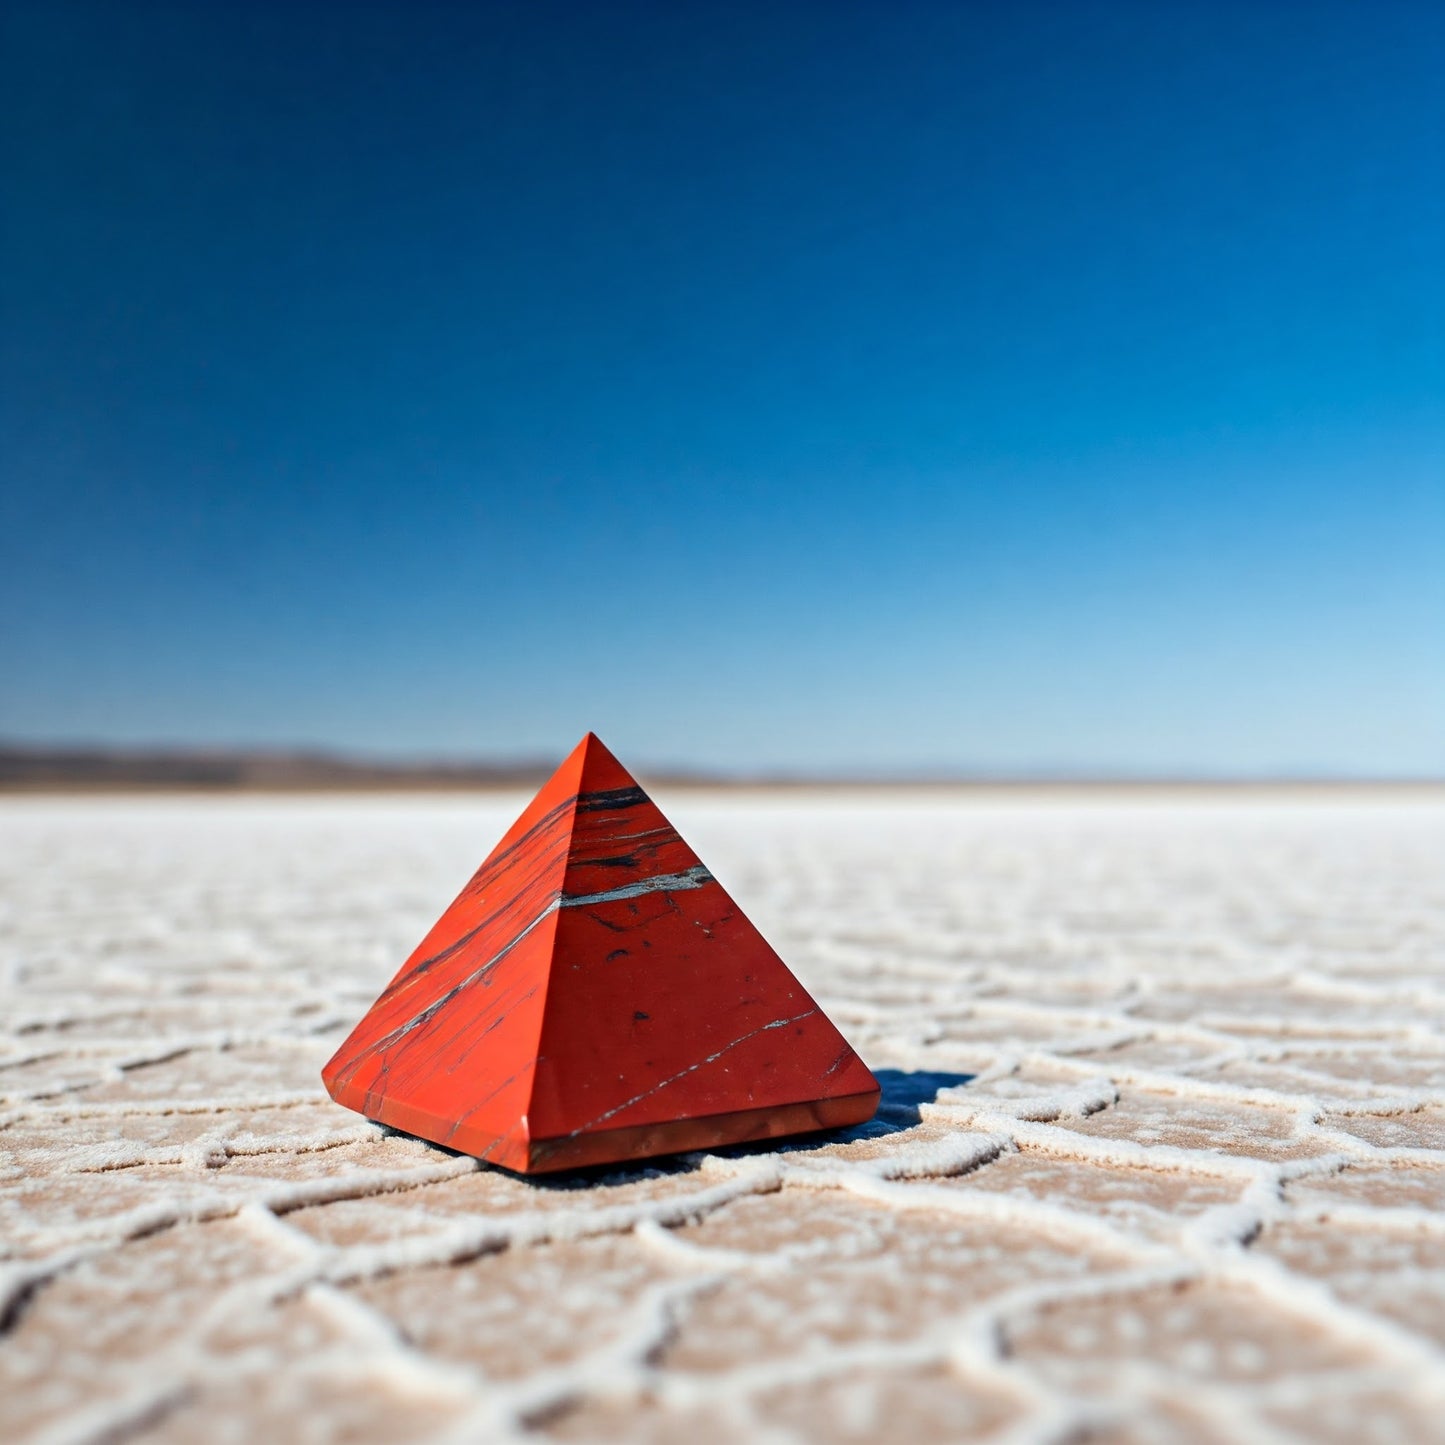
(29, 767)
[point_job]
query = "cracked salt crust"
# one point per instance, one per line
(1160, 1156)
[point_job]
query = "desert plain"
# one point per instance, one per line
(1160, 1157)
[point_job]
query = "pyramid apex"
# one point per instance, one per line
(600, 771)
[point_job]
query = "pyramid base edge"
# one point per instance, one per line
(515, 1151)
(508, 1149)
(710, 1131)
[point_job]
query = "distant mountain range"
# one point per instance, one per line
(26, 768)
(36, 769)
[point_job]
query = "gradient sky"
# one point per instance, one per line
(1007, 387)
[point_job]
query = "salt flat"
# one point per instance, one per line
(1161, 1155)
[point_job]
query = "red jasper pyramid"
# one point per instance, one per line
(594, 995)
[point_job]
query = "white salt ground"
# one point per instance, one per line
(1161, 1156)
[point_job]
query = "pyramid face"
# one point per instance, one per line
(594, 995)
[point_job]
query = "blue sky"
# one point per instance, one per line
(1001, 388)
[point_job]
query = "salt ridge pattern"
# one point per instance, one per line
(1161, 1154)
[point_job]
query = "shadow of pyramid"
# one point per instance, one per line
(904, 1094)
